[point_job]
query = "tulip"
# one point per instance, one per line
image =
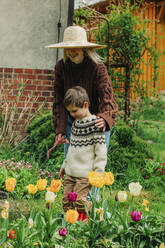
(10, 184)
(101, 212)
(146, 204)
(30, 222)
(72, 196)
(48, 189)
(108, 178)
(55, 185)
(135, 189)
(122, 196)
(50, 197)
(41, 184)
(71, 216)
(162, 245)
(116, 197)
(62, 231)
(4, 213)
(95, 180)
(136, 215)
(12, 234)
(32, 189)
(82, 217)
(6, 205)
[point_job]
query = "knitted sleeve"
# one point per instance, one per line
(108, 108)
(59, 111)
(100, 152)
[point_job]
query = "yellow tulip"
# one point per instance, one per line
(4, 214)
(95, 180)
(122, 196)
(10, 184)
(41, 184)
(108, 178)
(162, 245)
(101, 212)
(48, 189)
(71, 216)
(6, 205)
(55, 185)
(32, 189)
(146, 204)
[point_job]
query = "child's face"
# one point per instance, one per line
(76, 55)
(76, 112)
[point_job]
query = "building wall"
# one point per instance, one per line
(26, 66)
(26, 27)
(23, 94)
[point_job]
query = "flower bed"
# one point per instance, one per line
(117, 219)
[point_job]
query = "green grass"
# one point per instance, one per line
(153, 132)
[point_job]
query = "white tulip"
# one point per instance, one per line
(135, 189)
(30, 222)
(50, 197)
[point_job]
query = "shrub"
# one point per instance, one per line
(126, 149)
(41, 137)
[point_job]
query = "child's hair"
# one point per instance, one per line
(76, 96)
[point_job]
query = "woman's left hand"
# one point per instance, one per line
(101, 123)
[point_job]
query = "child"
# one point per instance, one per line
(87, 151)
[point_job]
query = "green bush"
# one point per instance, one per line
(41, 137)
(126, 149)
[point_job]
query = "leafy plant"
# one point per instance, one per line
(126, 149)
(41, 137)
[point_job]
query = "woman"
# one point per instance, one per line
(82, 66)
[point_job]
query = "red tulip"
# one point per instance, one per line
(12, 234)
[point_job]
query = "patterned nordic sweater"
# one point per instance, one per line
(87, 150)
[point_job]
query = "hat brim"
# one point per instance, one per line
(76, 45)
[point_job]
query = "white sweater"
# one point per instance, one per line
(87, 150)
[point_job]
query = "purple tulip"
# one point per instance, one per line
(136, 215)
(62, 231)
(116, 197)
(72, 196)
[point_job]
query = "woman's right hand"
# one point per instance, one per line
(61, 139)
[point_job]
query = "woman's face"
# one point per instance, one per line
(76, 55)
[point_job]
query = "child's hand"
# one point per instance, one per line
(62, 173)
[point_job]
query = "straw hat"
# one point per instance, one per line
(75, 37)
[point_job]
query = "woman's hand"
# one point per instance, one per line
(62, 173)
(100, 123)
(61, 139)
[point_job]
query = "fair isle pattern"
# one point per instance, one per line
(85, 133)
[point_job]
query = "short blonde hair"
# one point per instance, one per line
(95, 57)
